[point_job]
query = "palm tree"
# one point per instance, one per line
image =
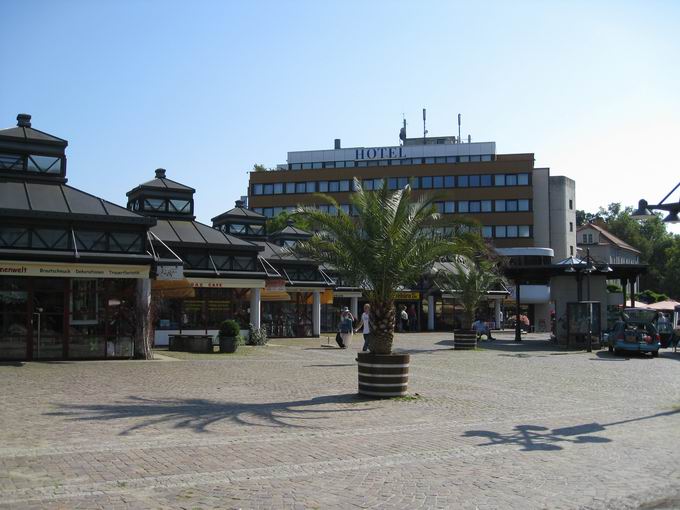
(472, 280)
(391, 240)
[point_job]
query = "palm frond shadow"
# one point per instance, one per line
(199, 414)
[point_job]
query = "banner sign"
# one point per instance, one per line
(226, 283)
(165, 271)
(407, 296)
(278, 285)
(74, 270)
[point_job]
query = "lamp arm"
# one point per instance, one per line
(664, 198)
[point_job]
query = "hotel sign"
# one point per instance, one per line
(378, 153)
(64, 270)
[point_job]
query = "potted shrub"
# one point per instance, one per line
(229, 336)
(257, 336)
(392, 239)
(471, 281)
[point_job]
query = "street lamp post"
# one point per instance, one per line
(644, 210)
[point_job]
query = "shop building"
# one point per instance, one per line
(73, 267)
(220, 275)
(296, 288)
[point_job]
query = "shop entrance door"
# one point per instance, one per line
(14, 322)
(47, 319)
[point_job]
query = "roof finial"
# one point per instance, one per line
(24, 120)
(160, 173)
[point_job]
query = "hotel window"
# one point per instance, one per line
(474, 181)
(427, 182)
(300, 187)
(500, 231)
(524, 231)
(296, 166)
(378, 184)
(344, 208)
(362, 163)
(475, 206)
(499, 180)
(268, 189)
(402, 182)
(486, 157)
(439, 206)
(278, 188)
(449, 207)
(306, 166)
(278, 210)
(323, 186)
(311, 187)
(523, 205)
(290, 187)
(329, 164)
(367, 185)
(475, 158)
(429, 161)
(512, 230)
(407, 161)
(415, 183)
(395, 162)
(440, 160)
(463, 181)
(463, 206)
(451, 159)
(323, 208)
(511, 206)
(486, 205)
(332, 210)
(372, 163)
(487, 231)
(511, 180)
(350, 164)
(500, 205)
(485, 180)
(523, 179)
(339, 164)
(464, 159)
(392, 183)
(258, 210)
(333, 186)
(344, 185)
(383, 162)
(438, 182)
(317, 165)
(417, 161)
(449, 181)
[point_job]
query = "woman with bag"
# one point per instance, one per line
(345, 329)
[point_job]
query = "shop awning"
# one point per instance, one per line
(173, 288)
(274, 295)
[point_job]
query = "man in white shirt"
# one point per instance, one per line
(365, 323)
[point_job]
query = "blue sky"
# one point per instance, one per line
(207, 88)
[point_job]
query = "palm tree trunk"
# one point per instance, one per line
(382, 322)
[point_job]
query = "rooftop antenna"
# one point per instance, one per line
(459, 128)
(424, 129)
(402, 131)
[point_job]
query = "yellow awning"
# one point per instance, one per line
(172, 288)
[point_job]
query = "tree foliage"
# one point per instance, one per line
(658, 248)
(391, 241)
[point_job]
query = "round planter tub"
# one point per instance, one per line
(383, 375)
(464, 340)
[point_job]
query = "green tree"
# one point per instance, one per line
(257, 167)
(472, 280)
(393, 240)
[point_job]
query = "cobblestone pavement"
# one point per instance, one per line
(508, 426)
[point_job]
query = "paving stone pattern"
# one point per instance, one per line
(508, 426)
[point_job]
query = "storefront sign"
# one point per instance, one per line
(407, 296)
(52, 269)
(166, 271)
(226, 283)
(276, 285)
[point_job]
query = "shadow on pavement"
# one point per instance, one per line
(198, 414)
(538, 438)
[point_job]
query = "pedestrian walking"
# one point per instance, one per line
(365, 326)
(412, 319)
(346, 328)
(403, 319)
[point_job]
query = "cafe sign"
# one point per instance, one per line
(64, 270)
(407, 296)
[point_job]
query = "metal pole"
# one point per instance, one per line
(518, 325)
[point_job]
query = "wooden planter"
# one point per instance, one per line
(464, 340)
(228, 344)
(383, 375)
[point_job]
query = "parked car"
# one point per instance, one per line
(635, 332)
(666, 334)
